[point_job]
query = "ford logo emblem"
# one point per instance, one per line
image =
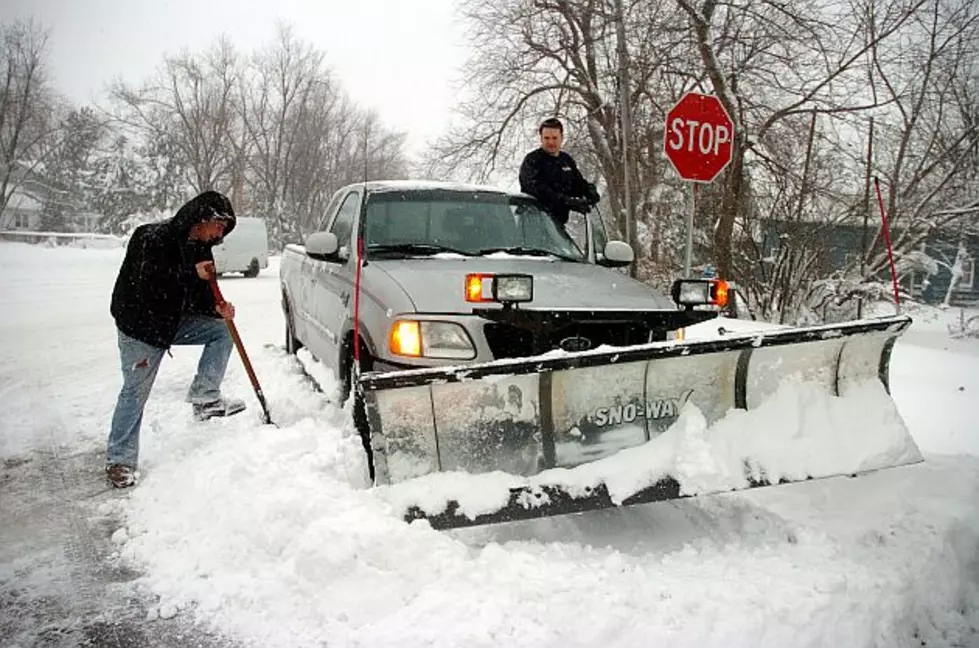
(576, 343)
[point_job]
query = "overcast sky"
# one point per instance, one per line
(398, 56)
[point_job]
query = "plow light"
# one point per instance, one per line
(513, 288)
(700, 292)
(503, 288)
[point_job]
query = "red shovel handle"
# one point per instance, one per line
(219, 298)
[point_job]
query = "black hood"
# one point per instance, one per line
(206, 206)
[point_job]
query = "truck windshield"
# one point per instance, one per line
(471, 223)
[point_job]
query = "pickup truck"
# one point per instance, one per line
(454, 274)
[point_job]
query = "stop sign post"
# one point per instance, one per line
(698, 142)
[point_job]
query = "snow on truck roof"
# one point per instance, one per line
(380, 186)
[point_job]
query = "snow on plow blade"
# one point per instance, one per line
(553, 434)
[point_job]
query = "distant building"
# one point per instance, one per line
(25, 210)
(926, 276)
(26, 203)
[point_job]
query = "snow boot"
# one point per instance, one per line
(121, 476)
(220, 407)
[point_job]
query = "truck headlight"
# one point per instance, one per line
(700, 292)
(422, 338)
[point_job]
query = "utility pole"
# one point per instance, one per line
(866, 215)
(626, 133)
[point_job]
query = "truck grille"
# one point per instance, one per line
(508, 341)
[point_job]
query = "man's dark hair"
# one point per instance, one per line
(552, 122)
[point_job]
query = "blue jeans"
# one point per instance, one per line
(140, 362)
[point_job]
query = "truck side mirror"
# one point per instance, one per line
(616, 254)
(321, 245)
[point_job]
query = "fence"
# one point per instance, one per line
(73, 239)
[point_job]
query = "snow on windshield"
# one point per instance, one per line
(469, 222)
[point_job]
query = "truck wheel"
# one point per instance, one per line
(360, 411)
(292, 342)
(252, 270)
(360, 423)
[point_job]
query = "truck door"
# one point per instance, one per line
(332, 286)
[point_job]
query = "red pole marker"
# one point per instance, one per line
(887, 239)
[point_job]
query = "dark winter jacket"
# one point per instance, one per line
(158, 281)
(557, 183)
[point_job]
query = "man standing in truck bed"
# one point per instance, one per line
(551, 176)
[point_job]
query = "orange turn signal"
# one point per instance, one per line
(720, 293)
(479, 287)
(406, 338)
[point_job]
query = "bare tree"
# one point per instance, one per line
(931, 141)
(558, 57)
(288, 84)
(794, 79)
(348, 145)
(307, 138)
(785, 62)
(26, 105)
(921, 140)
(191, 100)
(68, 172)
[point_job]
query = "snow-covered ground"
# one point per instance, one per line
(266, 535)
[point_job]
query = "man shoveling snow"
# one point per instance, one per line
(161, 298)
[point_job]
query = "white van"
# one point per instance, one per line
(245, 249)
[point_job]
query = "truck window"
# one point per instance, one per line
(469, 222)
(343, 224)
(599, 235)
(324, 218)
(577, 230)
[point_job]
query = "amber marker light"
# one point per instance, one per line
(406, 338)
(720, 293)
(479, 287)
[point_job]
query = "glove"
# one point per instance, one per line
(578, 204)
(591, 193)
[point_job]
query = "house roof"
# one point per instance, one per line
(24, 200)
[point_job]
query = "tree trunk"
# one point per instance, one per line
(730, 207)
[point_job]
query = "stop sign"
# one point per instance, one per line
(698, 137)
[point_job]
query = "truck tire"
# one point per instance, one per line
(292, 342)
(360, 411)
(252, 270)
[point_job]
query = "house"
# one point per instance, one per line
(26, 203)
(836, 248)
(25, 209)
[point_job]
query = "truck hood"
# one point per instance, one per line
(436, 285)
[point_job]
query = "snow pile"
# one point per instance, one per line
(799, 432)
(258, 532)
(719, 327)
(267, 534)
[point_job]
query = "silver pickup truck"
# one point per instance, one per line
(454, 274)
(493, 340)
(425, 244)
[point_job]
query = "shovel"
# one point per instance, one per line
(241, 351)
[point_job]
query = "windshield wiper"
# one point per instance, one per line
(426, 249)
(527, 251)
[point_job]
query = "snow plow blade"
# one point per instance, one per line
(565, 433)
